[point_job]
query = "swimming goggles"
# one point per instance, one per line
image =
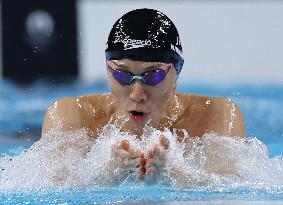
(151, 77)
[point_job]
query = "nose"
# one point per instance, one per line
(138, 93)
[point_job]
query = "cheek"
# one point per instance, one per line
(119, 91)
(161, 94)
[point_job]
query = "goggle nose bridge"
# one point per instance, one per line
(136, 77)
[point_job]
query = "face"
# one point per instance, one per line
(139, 103)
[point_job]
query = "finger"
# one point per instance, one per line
(142, 163)
(123, 154)
(156, 163)
(142, 169)
(131, 154)
(133, 163)
(135, 153)
(164, 142)
(161, 153)
(115, 150)
(149, 163)
(116, 147)
(152, 152)
(125, 144)
(127, 164)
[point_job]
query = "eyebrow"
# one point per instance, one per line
(146, 68)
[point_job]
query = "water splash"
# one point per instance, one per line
(72, 159)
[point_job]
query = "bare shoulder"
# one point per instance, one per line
(206, 102)
(213, 114)
(101, 101)
(63, 114)
(72, 113)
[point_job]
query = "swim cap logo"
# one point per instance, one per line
(133, 43)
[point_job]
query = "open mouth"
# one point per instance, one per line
(137, 116)
(136, 113)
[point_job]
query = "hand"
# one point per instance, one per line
(126, 158)
(155, 160)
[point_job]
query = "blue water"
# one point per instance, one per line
(98, 195)
(22, 110)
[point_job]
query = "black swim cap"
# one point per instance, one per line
(145, 35)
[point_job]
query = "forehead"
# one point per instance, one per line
(127, 63)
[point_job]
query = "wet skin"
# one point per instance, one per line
(159, 106)
(149, 165)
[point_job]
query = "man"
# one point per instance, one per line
(143, 61)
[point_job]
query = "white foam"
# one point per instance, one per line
(73, 159)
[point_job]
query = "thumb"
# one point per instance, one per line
(163, 141)
(125, 144)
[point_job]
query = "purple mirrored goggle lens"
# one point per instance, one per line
(150, 78)
(122, 76)
(154, 77)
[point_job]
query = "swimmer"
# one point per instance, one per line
(144, 58)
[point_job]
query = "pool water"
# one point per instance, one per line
(22, 110)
